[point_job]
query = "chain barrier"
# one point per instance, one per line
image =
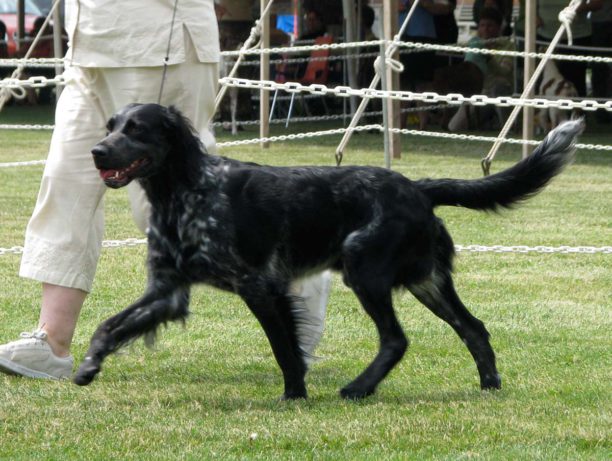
(537, 249)
(291, 137)
(523, 249)
(26, 127)
(32, 82)
(420, 46)
(28, 163)
(406, 47)
(428, 96)
(314, 134)
(52, 62)
(32, 62)
(470, 137)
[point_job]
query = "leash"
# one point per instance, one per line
(167, 58)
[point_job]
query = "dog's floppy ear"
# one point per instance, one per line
(184, 143)
(180, 130)
(177, 122)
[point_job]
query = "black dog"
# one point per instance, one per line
(253, 229)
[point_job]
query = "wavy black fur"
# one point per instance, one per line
(253, 229)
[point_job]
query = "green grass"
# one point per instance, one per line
(208, 387)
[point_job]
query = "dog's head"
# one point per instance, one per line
(139, 140)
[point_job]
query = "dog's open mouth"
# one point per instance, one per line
(121, 177)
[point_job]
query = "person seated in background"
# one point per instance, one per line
(503, 6)
(491, 75)
(314, 26)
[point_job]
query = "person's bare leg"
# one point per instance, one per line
(59, 314)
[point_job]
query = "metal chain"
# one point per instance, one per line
(314, 134)
(429, 97)
(29, 163)
(32, 62)
(290, 137)
(419, 46)
(52, 62)
(470, 137)
(537, 249)
(564, 249)
(32, 82)
(26, 127)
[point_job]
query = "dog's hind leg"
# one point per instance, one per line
(374, 294)
(393, 342)
(275, 314)
(438, 294)
(141, 318)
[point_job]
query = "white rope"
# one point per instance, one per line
(566, 17)
(521, 249)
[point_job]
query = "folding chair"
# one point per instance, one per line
(316, 72)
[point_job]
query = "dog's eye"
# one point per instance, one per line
(131, 127)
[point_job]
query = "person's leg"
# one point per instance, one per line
(64, 235)
(59, 313)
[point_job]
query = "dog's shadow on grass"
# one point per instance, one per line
(259, 386)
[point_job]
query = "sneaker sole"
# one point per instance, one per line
(12, 368)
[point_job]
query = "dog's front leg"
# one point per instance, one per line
(278, 322)
(142, 317)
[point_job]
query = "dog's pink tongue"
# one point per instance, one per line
(105, 174)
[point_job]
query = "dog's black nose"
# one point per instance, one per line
(99, 151)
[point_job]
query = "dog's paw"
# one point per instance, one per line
(355, 392)
(86, 372)
(490, 382)
(293, 396)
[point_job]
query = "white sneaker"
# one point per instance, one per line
(32, 356)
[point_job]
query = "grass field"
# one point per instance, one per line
(210, 389)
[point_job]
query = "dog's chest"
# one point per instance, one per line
(194, 237)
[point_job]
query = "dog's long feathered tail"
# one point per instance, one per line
(513, 185)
